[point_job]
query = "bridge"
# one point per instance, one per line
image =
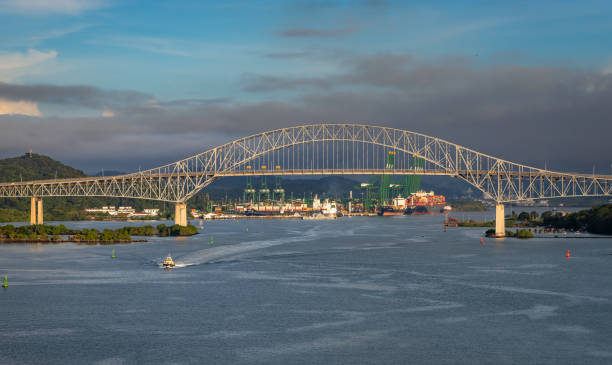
(323, 149)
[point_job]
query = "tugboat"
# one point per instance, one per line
(168, 263)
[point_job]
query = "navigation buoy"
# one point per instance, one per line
(247, 231)
(482, 240)
(112, 254)
(5, 283)
(567, 254)
(212, 240)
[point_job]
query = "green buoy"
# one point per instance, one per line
(5, 283)
(113, 254)
(212, 240)
(247, 230)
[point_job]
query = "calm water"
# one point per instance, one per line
(390, 290)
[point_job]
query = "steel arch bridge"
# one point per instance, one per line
(326, 149)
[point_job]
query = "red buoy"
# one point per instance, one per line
(568, 254)
(482, 240)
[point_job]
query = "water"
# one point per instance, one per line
(361, 290)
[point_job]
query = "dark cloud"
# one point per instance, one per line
(193, 102)
(525, 114)
(318, 33)
(258, 83)
(79, 95)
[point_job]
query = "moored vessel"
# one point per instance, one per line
(423, 202)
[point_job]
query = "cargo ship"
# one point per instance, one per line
(397, 208)
(423, 202)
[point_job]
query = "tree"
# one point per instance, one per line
(524, 216)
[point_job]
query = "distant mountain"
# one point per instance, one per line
(35, 167)
(108, 173)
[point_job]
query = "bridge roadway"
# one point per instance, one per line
(459, 173)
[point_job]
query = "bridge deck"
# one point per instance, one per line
(296, 172)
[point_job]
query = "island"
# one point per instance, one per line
(60, 234)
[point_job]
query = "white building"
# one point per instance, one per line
(316, 203)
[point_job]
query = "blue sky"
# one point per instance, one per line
(218, 70)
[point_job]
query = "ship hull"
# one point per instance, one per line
(262, 213)
(388, 211)
(422, 209)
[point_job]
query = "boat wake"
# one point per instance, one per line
(234, 252)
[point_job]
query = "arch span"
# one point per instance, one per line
(327, 149)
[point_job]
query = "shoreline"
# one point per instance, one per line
(46, 241)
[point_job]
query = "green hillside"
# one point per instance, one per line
(35, 167)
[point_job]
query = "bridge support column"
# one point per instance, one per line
(33, 211)
(36, 210)
(39, 218)
(500, 221)
(180, 214)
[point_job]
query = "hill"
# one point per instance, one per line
(35, 167)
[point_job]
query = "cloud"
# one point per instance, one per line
(15, 64)
(259, 83)
(521, 113)
(318, 33)
(283, 55)
(45, 7)
(107, 112)
(59, 33)
(160, 45)
(77, 95)
(19, 108)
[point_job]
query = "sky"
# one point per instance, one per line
(128, 84)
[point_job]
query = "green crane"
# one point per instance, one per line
(264, 191)
(278, 193)
(248, 195)
(412, 183)
(385, 179)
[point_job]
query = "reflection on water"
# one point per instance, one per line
(354, 290)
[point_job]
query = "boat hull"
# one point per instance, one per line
(422, 209)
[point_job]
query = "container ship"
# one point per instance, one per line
(421, 202)
(397, 208)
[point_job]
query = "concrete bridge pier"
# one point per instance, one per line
(180, 214)
(500, 221)
(36, 210)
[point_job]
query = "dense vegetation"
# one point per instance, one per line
(595, 220)
(161, 230)
(35, 167)
(521, 233)
(55, 233)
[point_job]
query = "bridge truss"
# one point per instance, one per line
(327, 149)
